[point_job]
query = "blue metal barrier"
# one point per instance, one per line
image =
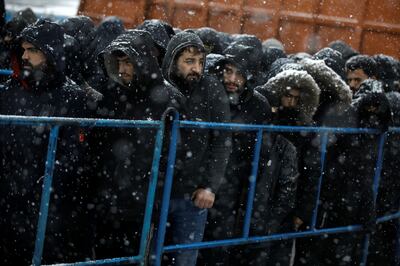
(160, 248)
(245, 239)
(6, 72)
(55, 124)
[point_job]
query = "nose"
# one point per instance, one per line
(353, 84)
(121, 68)
(25, 56)
(292, 102)
(197, 68)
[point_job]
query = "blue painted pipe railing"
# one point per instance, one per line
(6, 72)
(55, 124)
(160, 248)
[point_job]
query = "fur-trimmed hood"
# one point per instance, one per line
(277, 86)
(333, 88)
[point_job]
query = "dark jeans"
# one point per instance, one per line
(187, 223)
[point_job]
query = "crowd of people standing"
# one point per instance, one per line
(75, 68)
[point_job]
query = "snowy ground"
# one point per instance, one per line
(57, 8)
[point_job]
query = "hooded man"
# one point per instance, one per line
(249, 107)
(359, 68)
(161, 33)
(202, 153)
(8, 36)
(294, 97)
(121, 158)
(347, 194)
(39, 87)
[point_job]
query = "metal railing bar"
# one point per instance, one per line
(324, 143)
(252, 185)
(45, 198)
(275, 128)
(67, 121)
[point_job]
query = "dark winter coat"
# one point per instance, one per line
(388, 196)
(104, 34)
(275, 196)
(383, 243)
(334, 110)
(351, 163)
(23, 156)
(252, 108)
(202, 153)
(2, 14)
(347, 195)
(122, 157)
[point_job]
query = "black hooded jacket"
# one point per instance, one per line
(211, 39)
(347, 196)
(12, 29)
(387, 72)
(202, 153)
(256, 67)
(122, 157)
(23, 155)
(252, 108)
(79, 33)
(104, 34)
(161, 33)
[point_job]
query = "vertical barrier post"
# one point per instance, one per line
(167, 191)
(46, 191)
(151, 191)
(375, 187)
(324, 143)
(252, 186)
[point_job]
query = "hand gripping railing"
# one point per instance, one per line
(55, 124)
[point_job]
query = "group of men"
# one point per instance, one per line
(75, 69)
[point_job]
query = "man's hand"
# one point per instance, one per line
(203, 198)
(297, 222)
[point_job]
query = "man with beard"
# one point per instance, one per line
(9, 34)
(120, 159)
(39, 87)
(202, 153)
(248, 107)
(294, 97)
(359, 68)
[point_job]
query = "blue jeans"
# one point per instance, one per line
(187, 223)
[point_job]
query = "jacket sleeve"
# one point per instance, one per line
(220, 140)
(285, 188)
